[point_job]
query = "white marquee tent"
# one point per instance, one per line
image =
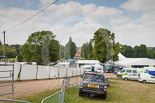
(129, 62)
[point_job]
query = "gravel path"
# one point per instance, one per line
(28, 88)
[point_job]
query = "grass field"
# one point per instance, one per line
(120, 91)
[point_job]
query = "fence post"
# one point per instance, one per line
(37, 72)
(72, 72)
(20, 72)
(13, 81)
(66, 71)
(58, 71)
(49, 71)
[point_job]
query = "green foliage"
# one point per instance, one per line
(41, 47)
(140, 51)
(86, 50)
(9, 50)
(0, 42)
(61, 51)
(105, 47)
(70, 49)
(127, 51)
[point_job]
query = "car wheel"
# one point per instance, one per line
(80, 93)
(125, 78)
(144, 81)
(104, 96)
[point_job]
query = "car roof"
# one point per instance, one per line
(94, 73)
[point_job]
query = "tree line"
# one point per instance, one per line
(43, 48)
(141, 51)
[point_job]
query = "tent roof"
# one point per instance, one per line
(121, 56)
(135, 61)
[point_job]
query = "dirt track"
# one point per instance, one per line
(28, 88)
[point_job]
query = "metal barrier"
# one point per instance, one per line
(57, 97)
(11, 100)
(10, 76)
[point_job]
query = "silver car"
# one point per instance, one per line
(132, 76)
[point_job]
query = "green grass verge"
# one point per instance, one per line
(120, 91)
(39, 97)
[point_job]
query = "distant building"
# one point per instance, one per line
(78, 54)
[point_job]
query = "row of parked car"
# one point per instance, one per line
(146, 74)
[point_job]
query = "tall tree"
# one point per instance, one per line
(0, 42)
(41, 47)
(105, 48)
(86, 50)
(61, 51)
(70, 49)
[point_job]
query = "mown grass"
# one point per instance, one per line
(39, 97)
(120, 91)
(117, 93)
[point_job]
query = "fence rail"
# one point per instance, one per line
(11, 100)
(58, 97)
(7, 73)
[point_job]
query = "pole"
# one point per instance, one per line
(4, 48)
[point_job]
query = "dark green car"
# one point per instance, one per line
(93, 83)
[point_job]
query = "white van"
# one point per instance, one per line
(87, 68)
(147, 75)
(98, 68)
(127, 71)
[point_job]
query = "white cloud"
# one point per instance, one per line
(139, 5)
(80, 22)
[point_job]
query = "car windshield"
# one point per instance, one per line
(94, 78)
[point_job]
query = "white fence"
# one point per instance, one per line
(30, 72)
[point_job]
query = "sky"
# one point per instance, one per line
(132, 21)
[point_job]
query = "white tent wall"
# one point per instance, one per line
(62, 72)
(74, 71)
(43, 72)
(17, 67)
(82, 71)
(78, 71)
(54, 72)
(28, 72)
(69, 72)
(5, 74)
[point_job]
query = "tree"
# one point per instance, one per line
(41, 47)
(86, 50)
(127, 51)
(61, 51)
(0, 42)
(140, 51)
(70, 49)
(105, 48)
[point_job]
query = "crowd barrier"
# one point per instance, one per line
(31, 72)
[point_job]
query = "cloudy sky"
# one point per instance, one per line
(133, 21)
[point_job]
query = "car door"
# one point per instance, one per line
(131, 76)
(152, 79)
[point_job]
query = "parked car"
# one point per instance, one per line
(112, 68)
(108, 69)
(93, 83)
(127, 71)
(147, 75)
(132, 76)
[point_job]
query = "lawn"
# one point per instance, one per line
(120, 91)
